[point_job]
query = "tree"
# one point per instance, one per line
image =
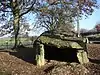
(82, 30)
(97, 27)
(24, 27)
(56, 12)
(53, 17)
(8, 29)
(15, 9)
(84, 6)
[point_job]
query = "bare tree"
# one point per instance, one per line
(57, 12)
(82, 30)
(15, 9)
(23, 31)
(53, 17)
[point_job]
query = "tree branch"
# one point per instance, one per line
(30, 8)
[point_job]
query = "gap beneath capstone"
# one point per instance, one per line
(58, 54)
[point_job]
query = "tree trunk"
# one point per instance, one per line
(16, 36)
(16, 28)
(78, 26)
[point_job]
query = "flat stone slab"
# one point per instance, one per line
(61, 43)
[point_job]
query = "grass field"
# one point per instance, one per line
(9, 42)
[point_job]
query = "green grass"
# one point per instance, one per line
(5, 73)
(4, 42)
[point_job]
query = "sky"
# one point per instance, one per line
(92, 20)
(87, 23)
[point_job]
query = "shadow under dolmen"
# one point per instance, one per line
(60, 54)
(25, 53)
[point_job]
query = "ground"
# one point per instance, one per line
(15, 64)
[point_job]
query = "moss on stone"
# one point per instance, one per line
(59, 43)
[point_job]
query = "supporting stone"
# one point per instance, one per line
(86, 40)
(40, 61)
(82, 56)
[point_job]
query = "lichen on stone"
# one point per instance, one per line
(59, 43)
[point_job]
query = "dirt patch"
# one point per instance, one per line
(68, 69)
(93, 68)
(94, 51)
(14, 65)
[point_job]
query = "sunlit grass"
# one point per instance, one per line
(5, 73)
(6, 42)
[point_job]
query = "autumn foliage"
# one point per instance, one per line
(97, 27)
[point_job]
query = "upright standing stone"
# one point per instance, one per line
(40, 55)
(82, 57)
